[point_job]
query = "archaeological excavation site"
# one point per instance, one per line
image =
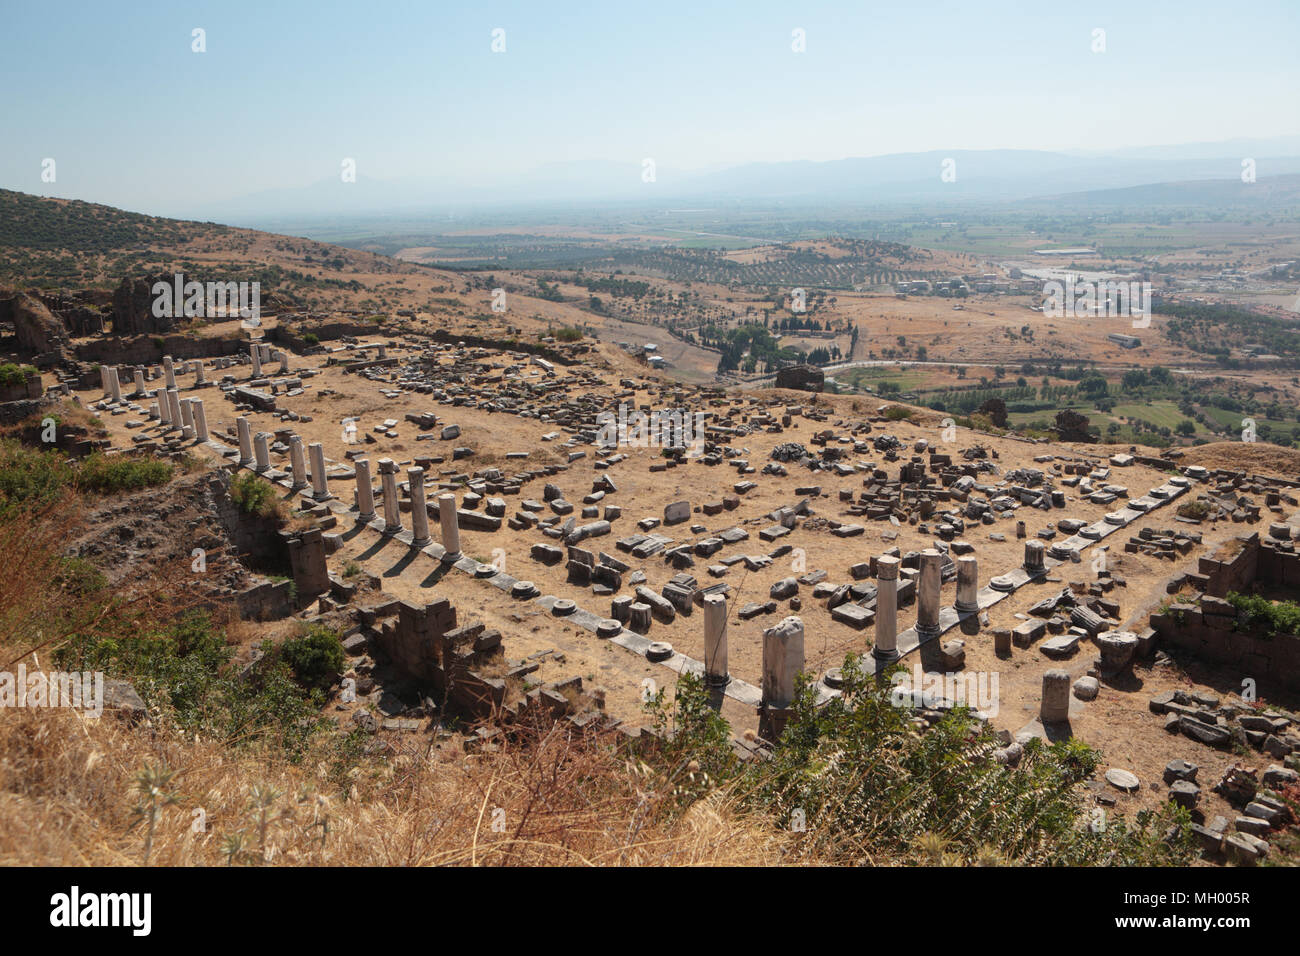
(467, 554)
(759, 443)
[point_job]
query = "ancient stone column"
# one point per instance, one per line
(200, 421)
(320, 483)
(103, 379)
(1034, 557)
(139, 381)
(782, 660)
(298, 461)
(169, 371)
(392, 504)
(1056, 697)
(927, 594)
(114, 384)
(383, 352)
(886, 648)
(199, 378)
(365, 491)
(715, 639)
(261, 452)
(419, 508)
(284, 361)
(968, 582)
(174, 407)
(153, 411)
(187, 413)
(245, 440)
(255, 352)
(450, 529)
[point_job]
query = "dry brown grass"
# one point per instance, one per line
(73, 788)
(68, 793)
(1258, 457)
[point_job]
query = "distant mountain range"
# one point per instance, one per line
(1172, 174)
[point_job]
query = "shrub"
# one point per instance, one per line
(864, 785)
(30, 479)
(11, 374)
(183, 670)
(315, 656)
(568, 334)
(108, 474)
(1282, 617)
(311, 338)
(254, 495)
(897, 413)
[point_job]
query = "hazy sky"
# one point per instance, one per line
(285, 90)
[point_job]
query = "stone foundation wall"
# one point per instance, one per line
(150, 349)
(1233, 574)
(268, 601)
(1210, 637)
(30, 387)
(1212, 631)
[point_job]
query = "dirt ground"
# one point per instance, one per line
(1118, 722)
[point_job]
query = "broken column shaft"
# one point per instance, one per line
(419, 509)
(715, 639)
(928, 586)
(365, 491)
(450, 529)
(319, 481)
(886, 647)
(968, 582)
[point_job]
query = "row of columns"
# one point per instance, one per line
(184, 414)
(783, 644)
(111, 379)
(447, 518)
(254, 450)
(261, 352)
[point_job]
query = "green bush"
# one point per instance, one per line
(897, 413)
(117, 473)
(11, 374)
(254, 495)
(857, 782)
(315, 656)
(185, 673)
(30, 479)
(1282, 617)
(567, 334)
(311, 338)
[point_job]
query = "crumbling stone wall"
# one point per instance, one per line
(30, 387)
(1231, 574)
(1212, 629)
(805, 378)
(149, 349)
(37, 329)
(307, 560)
(133, 307)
